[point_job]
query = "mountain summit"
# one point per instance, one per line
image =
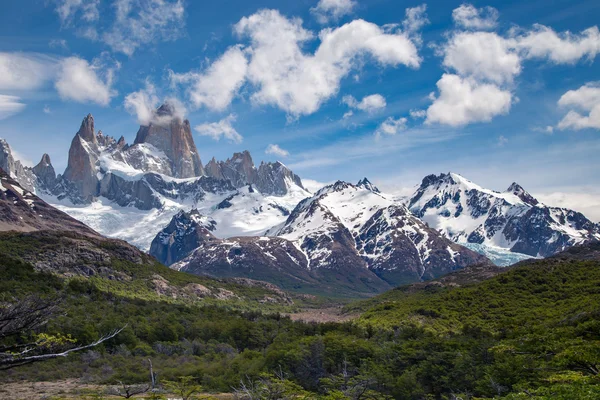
(169, 134)
(514, 220)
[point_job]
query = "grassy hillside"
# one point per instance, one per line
(532, 332)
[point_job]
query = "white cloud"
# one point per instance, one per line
(25, 71)
(142, 103)
(276, 150)
(548, 130)
(142, 22)
(47, 110)
(502, 141)
(219, 84)
(586, 200)
(416, 18)
(584, 99)
(467, 16)
(223, 128)
(565, 48)
(418, 114)
(369, 103)
(313, 186)
(10, 105)
(348, 114)
(298, 83)
(391, 126)
(463, 100)
(67, 10)
(332, 10)
(83, 82)
(482, 55)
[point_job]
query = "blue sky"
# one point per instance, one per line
(500, 91)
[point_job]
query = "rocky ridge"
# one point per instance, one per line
(467, 213)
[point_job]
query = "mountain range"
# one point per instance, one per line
(233, 219)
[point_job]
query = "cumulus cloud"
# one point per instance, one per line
(298, 83)
(482, 55)
(469, 17)
(332, 10)
(464, 100)
(585, 104)
(565, 48)
(370, 103)
(221, 129)
(276, 150)
(219, 84)
(416, 18)
(484, 64)
(47, 110)
(10, 105)
(83, 82)
(391, 126)
(25, 71)
(142, 103)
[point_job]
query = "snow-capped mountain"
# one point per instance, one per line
(514, 220)
(355, 224)
(132, 191)
(347, 238)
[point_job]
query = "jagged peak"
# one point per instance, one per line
(366, 184)
(522, 194)
(86, 130)
(45, 161)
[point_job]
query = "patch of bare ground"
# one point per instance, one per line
(327, 314)
(73, 389)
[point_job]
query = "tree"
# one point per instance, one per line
(17, 322)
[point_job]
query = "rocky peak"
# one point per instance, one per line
(7, 162)
(166, 110)
(14, 168)
(522, 194)
(173, 136)
(366, 184)
(86, 130)
(185, 233)
(45, 174)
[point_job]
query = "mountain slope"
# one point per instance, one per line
(344, 223)
(23, 211)
(514, 220)
(189, 244)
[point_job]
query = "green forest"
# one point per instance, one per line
(531, 332)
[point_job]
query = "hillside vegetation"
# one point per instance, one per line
(530, 332)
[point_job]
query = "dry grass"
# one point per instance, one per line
(71, 389)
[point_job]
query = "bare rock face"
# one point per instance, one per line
(269, 178)
(274, 178)
(81, 170)
(169, 134)
(45, 174)
(14, 168)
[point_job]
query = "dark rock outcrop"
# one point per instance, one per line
(269, 178)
